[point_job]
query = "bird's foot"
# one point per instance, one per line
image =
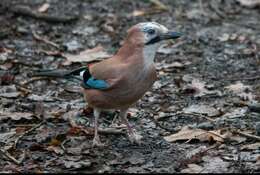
(97, 143)
(135, 138)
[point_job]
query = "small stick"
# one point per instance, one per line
(110, 131)
(26, 11)
(246, 135)
(245, 78)
(39, 38)
(23, 89)
(27, 132)
(199, 115)
(63, 143)
(159, 5)
(7, 155)
(33, 79)
(202, 8)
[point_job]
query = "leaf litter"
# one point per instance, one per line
(194, 79)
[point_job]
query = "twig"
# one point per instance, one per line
(23, 89)
(246, 135)
(26, 11)
(33, 79)
(39, 38)
(202, 8)
(215, 8)
(199, 115)
(27, 132)
(110, 131)
(245, 78)
(159, 5)
(7, 155)
(163, 127)
(63, 143)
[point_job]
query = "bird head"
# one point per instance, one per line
(150, 33)
(149, 36)
(155, 33)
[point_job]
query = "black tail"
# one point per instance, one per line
(60, 73)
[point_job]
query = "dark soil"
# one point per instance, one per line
(220, 47)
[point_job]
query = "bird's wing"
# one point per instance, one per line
(81, 74)
(109, 70)
(88, 81)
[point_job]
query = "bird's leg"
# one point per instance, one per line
(96, 140)
(133, 137)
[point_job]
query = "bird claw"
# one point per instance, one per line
(97, 143)
(135, 138)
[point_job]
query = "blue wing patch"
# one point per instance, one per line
(96, 84)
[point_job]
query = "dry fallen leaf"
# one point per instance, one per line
(55, 149)
(158, 7)
(15, 115)
(88, 55)
(5, 137)
(78, 164)
(4, 52)
(192, 168)
(44, 7)
(241, 90)
(9, 91)
(200, 134)
(254, 146)
(238, 88)
(202, 109)
(198, 88)
(249, 3)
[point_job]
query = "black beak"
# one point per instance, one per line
(165, 36)
(170, 35)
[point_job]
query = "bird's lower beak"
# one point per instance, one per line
(170, 35)
(165, 36)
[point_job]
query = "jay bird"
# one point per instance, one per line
(120, 81)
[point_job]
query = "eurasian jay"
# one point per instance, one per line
(120, 81)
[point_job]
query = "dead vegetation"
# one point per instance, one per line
(201, 116)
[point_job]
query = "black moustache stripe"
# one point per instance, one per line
(154, 40)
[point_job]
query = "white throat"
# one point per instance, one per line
(149, 54)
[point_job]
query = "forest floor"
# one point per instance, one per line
(202, 114)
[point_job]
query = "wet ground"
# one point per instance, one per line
(209, 79)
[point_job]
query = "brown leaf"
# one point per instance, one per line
(55, 149)
(55, 142)
(189, 134)
(88, 55)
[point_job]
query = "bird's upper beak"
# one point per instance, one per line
(165, 36)
(170, 35)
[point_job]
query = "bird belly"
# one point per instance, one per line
(116, 98)
(124, 93)
(113, 99)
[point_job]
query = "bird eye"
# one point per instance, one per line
(151, 31)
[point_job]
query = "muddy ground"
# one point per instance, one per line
(209, 79)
